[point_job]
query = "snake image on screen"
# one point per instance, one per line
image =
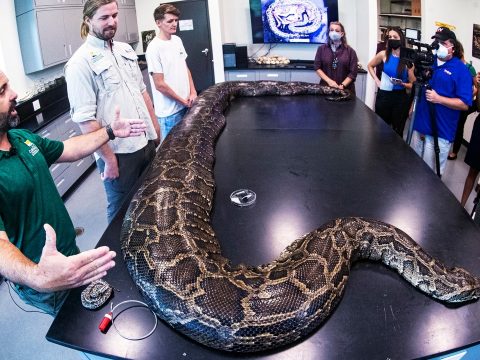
(174, 257)
(295, 20)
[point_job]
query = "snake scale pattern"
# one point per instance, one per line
(96, 294)
(174, 257)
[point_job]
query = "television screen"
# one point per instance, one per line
(292, 21)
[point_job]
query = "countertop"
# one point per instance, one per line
(293, 65)
(44, 108)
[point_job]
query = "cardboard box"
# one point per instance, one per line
(416, 8)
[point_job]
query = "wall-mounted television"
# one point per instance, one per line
(292, 21)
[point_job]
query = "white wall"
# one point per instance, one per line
(366, 43)
(2, 61)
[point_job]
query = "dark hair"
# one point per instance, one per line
(402, 63)
(459, 50)
(89, 10)
(458, 47)
(163, 9)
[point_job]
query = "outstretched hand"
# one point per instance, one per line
(127, 127)
(56, 271)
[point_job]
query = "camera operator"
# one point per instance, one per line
(448, 92)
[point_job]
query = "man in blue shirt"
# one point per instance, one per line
(451, 92)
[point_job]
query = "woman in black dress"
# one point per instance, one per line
(472, 158)
(464, 114)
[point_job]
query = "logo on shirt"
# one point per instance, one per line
(96, 57)
(33, 149)
(447, 72)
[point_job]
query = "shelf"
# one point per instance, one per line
(402, 16)
(401, 13)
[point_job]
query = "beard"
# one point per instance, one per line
(9, 121)
(105, 34)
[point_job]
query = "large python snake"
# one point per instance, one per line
(174, 257)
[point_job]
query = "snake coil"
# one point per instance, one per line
(96, 294)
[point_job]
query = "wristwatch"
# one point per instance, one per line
(110, 133)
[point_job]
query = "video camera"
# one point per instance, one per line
(422, 58)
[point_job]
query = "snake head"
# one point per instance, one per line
(467, 286)
(477, 288)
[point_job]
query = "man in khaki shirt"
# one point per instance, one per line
(101, 75)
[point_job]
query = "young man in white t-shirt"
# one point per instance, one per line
(172, 83)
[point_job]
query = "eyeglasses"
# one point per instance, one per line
(335, 63)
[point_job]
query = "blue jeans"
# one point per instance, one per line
(47, 302)
(168, 122)
(424, 147)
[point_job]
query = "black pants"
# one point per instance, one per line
(392, 107)
(461, 124)
(130, 167)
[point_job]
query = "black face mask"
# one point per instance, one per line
(394, 44)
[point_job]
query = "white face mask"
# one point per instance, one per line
(335, 36)
(442, 52)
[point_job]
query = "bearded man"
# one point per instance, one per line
(102, 74)
(38, 252)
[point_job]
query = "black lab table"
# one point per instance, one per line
(310, 160)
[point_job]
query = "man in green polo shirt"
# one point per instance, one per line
(37, 238)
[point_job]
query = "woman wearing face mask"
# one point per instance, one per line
(392, 100)
(336, 62)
